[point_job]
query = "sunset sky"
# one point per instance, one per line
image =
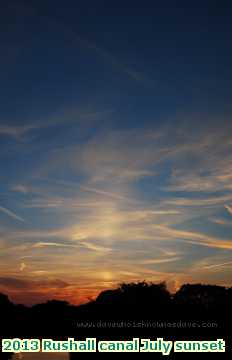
(115, 146)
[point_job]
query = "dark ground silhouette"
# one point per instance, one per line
(132, 310)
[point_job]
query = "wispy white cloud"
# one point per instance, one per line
(15, 131)
(229, 209)
(215, 266)
(50, 244)
(111, 59)
(159, 261)
(94, 247)
(105, 220)
(193, 237)
(220, 221)
(20, 188)
(11, 214)
(197, 201)
(106, 193)
(65, 117)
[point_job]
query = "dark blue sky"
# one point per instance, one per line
(56, 53)
(115, 139)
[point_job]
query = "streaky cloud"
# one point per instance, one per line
(11, 214)
(50, 244)
(213, 266)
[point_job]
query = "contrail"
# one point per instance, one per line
(11, 214)
(101, 52)
(93, 190)
(218, 265)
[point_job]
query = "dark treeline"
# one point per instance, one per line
(132, 310)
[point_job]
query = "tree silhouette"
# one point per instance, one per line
(134, 301)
